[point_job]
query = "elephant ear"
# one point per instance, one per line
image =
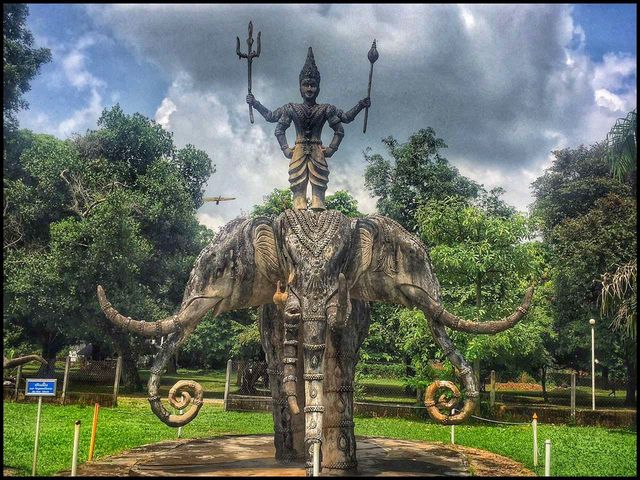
(363, 250)
(266, 253)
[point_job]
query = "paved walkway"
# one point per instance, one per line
(253, 455)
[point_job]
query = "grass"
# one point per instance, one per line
(589, 451)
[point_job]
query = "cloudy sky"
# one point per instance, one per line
(503, 85)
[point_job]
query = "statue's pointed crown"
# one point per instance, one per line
(310, 70)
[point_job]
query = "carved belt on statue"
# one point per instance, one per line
(307, 145)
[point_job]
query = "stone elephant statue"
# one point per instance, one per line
(314, 273)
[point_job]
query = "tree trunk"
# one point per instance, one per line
(543, 381)
(172, 367)
(51, 346)
(632, 382)
(130, 376)
(479, 290)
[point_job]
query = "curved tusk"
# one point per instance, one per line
(438, 313)
(151, 329)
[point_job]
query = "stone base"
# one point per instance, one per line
(253, 455)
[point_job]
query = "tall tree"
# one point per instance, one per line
(115, 207)
(21, 62)
(589, 222)
(417, 173)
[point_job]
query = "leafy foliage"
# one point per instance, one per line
(111, 207)
(20, 62)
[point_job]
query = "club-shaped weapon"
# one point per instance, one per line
(250, 55)
(373, 56)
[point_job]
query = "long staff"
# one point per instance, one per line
(250, 55)
(373, 56)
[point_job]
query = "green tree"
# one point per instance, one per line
(416, 174)
(588, 220)
(484, 256)
(91, 211)
(20, 62)
(280, 200)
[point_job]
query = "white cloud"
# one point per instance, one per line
(503, 85)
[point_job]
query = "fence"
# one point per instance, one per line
(380, 390)
(80, 381)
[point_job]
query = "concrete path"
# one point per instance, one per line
(253, 455)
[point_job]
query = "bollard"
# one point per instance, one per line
(453, 429)
(76, 443)
(492, 393)
(180, 428)
(226, 383)
(535, 440)
(547, 458)
(18, 375)
(316, 459)
(35, 445)
(65, 380)
(573, 395)
(94, 429)
(116, 381)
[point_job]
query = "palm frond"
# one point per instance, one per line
(618, 297)
(622, 146)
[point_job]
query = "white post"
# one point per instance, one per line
(316, 459)
(492, 393)
(76, 443)
(453, 429)
(226, 383)
(535, 439)
(592, 322)
(180, 428)
(573, 395)
(66, 378)
(35, 447)
(116, 381)
(18, 375)
(547, 458)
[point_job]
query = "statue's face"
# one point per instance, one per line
(309, 89)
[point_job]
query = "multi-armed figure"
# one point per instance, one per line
(308, 157)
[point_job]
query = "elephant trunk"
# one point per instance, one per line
(314, 334)
(466, 374)
(292, 318)
(182, 387)
(14, 362)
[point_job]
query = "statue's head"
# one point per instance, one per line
(309, 78)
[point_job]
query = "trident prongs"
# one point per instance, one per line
(250, 55)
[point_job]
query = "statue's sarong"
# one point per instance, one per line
(308, 163)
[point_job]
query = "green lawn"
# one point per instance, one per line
(589, 451)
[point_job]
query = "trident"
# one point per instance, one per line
(250, 55)
(373, 56)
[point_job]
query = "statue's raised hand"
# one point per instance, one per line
(365, 102)
(251, 100)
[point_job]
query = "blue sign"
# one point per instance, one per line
(42, 387)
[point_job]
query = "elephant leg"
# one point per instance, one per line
(339, 447)
(289, 429)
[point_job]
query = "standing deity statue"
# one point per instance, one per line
(308, 158)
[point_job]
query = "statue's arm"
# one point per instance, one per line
(268, 115)
(335, 122)
(349, 116)
(284, 122)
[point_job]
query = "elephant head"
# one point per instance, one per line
(237, 270)
(316, 262)
(391, 265)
